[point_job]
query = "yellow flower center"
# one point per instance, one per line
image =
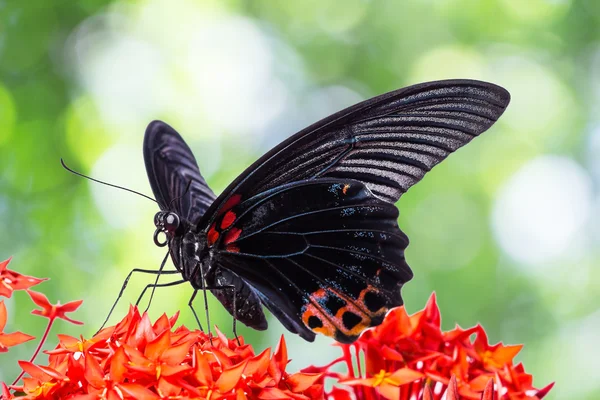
(383, 377)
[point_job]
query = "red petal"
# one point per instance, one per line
(118, 364)
(543, 392)
(83, 397)
(3, 264)
(202, 371)
(173, 319)
(176, 354)
(240, 395)
(93, 372)
(480, 383)
(432, 311)
(427, 395)
(161, 324)
(70, 306)
(452, 391)
(143, 332)
(41, 300)
(168, 389)
(299, 382)
(112, 394)
(230, 377)
(488, 393)
(504, 354)
(273, 394)
(137, 391)
(389, 392)
(2, 316)
(257, 366)
(158, 346)
(359, 382)
(170, 370)
(6, 395)
(391, 354)
(340, 394)
(404, 376)
(281, 355)
(13, 339)
(41, 373)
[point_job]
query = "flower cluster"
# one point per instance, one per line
(406, 357)
(11, 281)
(409, 357)
(138, 359)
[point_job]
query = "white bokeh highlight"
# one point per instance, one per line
(220, 75)
(541, 211)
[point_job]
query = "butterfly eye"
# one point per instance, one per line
(171, 222)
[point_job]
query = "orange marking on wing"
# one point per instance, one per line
(212, 235)
(335, 323)
(345, 188)
(361, 299)
(328, 329)
(230, 203)
(319, 294)
(232, 235)
(228, 220)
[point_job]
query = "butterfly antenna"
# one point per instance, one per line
(183, 194)
(104, 183)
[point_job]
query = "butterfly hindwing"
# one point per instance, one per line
(327, 254)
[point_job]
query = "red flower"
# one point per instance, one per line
(9, 339)
(11, 280)
(136, 359)
(406, 354)
(53, 311)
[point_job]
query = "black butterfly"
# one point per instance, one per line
(310, 229)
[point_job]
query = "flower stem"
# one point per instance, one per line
(37, 350)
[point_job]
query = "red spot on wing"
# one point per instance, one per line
(228, 220)
(232, 235)
(212, 235)
(232, 248)
(230, 203)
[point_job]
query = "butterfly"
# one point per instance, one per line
(310, 230)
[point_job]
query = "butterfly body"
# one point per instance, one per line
(310, 230)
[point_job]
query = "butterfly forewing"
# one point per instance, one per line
(174, 174)
(388, 142)
(178, 186)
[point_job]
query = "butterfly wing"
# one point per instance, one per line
(178, 186)
(325, 254)
(171, 167)
(334, 265)
(388, 142)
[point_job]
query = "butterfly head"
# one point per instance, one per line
(166, 222)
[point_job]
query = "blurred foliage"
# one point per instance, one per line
(81, 79)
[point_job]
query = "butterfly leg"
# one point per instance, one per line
(145, 271)
(206, 305)
(232, 287)
(155, 285)
(193, 310)
(162, 265)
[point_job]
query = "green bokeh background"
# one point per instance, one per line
(505, 231)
